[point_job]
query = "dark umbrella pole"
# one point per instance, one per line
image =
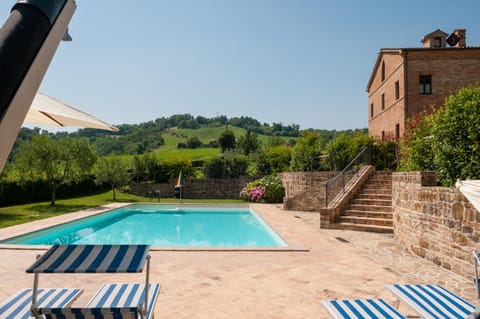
(179, 193)
(28, 41)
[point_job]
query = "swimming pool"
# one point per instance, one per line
(162, 225)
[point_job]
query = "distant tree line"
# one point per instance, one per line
(146, 137)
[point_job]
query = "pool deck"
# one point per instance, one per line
(256, 284)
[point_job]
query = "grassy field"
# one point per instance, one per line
(19, 214)
(169, 150)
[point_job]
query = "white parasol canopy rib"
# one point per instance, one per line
(49, 111)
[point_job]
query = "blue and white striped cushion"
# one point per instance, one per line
(91, 259)
(18, 306)
(432, 301)
(125, 296)
(84, 313)
(112, 301)
(362, 309)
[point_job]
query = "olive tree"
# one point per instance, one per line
(57, 161)
(306, 152)
(113, 171)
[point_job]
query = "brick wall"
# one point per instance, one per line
(393, 113)
(450, 68)
(209, 188)
(435, 223)
(305, 190)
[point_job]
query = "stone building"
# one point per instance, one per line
(407, 81)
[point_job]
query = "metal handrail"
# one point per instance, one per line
(363, 157)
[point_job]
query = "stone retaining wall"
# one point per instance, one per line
(305, 191)
(210, 188)
(435, 223)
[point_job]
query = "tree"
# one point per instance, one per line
(248, 143)
(306, 152)
(279, 158)
(227, 140)
(417, 144)
(448, 140)
(193, 142)
(456, 137)
(112, 171)
(61, 161)
(344, 148)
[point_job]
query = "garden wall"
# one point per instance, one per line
(305, 190)
(209, 188)
(435, 223)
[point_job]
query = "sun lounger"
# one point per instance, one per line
(432, 301)
(19, 305)
(361, 308)
(112, 301)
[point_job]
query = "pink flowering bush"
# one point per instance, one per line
(257, 194)
(267, 189)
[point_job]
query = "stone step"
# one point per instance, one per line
(375, 208)
(372, 184)
(375, 196)
(361, 227)
(364, 213)
(380, 179)
(370, 191)
(366, 221)
(372, 201)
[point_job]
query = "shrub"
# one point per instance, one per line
(268, 189)
(448, 140)
(193, 142)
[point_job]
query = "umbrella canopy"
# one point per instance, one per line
(471, 190)
(49, 111)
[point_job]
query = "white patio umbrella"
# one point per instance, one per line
(471, 190)
(50, 111)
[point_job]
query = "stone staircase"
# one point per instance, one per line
(371, 208)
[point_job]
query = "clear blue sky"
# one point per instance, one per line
(291, 61)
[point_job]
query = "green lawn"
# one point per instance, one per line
(19, 214)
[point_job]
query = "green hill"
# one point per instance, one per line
(174, 136)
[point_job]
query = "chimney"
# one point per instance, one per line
(461, 34)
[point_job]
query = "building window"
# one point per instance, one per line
(383, 101)
(397, 132)
(371, 110)
(383, 71)
(437, 42)
(383, 135)
(425, 84)
(397, 90)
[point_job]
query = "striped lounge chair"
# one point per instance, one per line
(361, 308)
(112, 301)
(432, 301)
(18, 306)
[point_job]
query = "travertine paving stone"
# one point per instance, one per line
(261, 284)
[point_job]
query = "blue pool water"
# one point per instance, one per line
(162, 225)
